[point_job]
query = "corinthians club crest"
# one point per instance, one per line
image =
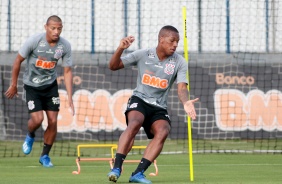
(58, 53)
(169, 69)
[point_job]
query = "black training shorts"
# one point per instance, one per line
(43, 98)
(152, 113)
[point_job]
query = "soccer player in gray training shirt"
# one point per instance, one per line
(42, 53)
(158, 68)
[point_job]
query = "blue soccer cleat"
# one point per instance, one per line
(27, 145)
(45, 161)
(139, 178)
(114, 174)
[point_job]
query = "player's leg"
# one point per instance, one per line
(160, 129)
(34, 123)
(51, 130)
(49, 138)
(51, 105)
(34, 105)
(134, 120)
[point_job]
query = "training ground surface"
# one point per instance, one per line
(208, 168)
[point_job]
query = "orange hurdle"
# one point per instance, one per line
(110, 160)
(92, 159)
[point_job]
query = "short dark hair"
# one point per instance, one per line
(54, 18)
(170, 28)
(165, 29)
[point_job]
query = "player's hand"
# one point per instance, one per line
(11, 92)
(126, 42)
(190, 109)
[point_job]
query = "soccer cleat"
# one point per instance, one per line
(139, 178)
(27, 145)
(114, 174)
(45, 161)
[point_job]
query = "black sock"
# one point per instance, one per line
(31, 134)
(119, 160)
(143, 166)
(46, 149)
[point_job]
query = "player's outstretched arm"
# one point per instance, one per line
(183, 95)
(13, 89)
(115, 61)
(68, 82)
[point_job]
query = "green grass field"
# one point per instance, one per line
(208, 168)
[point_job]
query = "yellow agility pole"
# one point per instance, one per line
(186, 56)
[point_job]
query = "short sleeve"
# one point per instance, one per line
(132, 58)
(28, 47)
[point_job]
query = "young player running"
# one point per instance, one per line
(42, 53)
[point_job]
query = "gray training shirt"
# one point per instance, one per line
(156, 77)
(42, 59)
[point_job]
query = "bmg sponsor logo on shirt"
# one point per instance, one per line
(154, 81)
(45, 64)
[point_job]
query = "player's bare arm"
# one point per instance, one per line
(183, 96)
(13, 89)
(115, 62)
(68, 83)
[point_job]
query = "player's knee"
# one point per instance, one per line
(162, 133)
(36, 121)
(165, 132)
(52, 122)
(132, 130)
(134, 125)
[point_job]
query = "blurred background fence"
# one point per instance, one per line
(235, 69)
